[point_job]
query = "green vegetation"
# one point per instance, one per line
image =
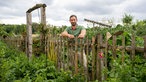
(15, 66)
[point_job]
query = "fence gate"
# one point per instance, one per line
(29, 26)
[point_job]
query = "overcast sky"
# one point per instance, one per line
(58, 11)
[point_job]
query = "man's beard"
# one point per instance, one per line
(73, 24)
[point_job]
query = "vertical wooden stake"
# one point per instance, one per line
(133, 47)
(123, 50)
(114, 46)
(144, 46)
(76, 55)
(29, 35)
(93, 58)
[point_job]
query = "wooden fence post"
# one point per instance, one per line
(29, 35)
(93, 58)
(144, 46)
(133, 47)
(123, 50)
(99, 59)
(59, 53)
(76, 55)
(106, 54)
(87, 54)
(63, 53)
(68, 53)
(81, 54)
(43, 22)
(114, 46)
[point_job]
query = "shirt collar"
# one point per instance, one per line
(75, 28)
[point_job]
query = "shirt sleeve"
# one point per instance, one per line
(67, 29)
(83, 28)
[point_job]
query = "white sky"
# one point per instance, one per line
(58, 11)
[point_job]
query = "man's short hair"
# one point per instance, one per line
(73, 16)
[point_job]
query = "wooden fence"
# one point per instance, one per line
(15, 42)
(65, 52)
(97, 51)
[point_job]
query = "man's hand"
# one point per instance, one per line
(70, 36)
(81, 36)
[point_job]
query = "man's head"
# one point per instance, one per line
(73, 20)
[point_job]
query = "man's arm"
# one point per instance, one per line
(65, 34)
(82, 34)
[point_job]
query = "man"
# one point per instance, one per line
(75, 31)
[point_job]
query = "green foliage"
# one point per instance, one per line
(140, 28)
(127, 19)
(11, 30)
(15, 67)
(128, 71)
(3, 33)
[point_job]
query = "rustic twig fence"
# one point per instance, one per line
(94, 48)
(59, 50)
(15, 42)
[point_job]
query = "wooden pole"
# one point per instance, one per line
(35, 7)
(99, 60)
(43, 22)
(43, 16)
(29, 35)
(87, 50)
(145, 46)
(133, 47)
(93, 58)
(114, 46)
(123, 50)
(76, 55)
(99, 23)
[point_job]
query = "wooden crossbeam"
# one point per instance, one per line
(36, 7)
(99, 23)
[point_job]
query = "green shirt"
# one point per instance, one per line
(75, 32)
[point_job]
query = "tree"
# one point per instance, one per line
(127, 19)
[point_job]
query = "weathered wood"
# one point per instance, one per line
(144, 46)
(29, 28)
(106, 51)
(72, 55)
(93, 58)
(87, 54)
(133, 47)
(35, 7)
(43, 16)
(29, 35)
(61, 56)
(99, 59)
(76, 55)
(127, 48)
(67, 53)
(43, 23)
(81, 50)
(62, 52)
(114, 46)
(118, 33)
(94, 22)
(123, 50)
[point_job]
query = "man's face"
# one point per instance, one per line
(73, 21)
